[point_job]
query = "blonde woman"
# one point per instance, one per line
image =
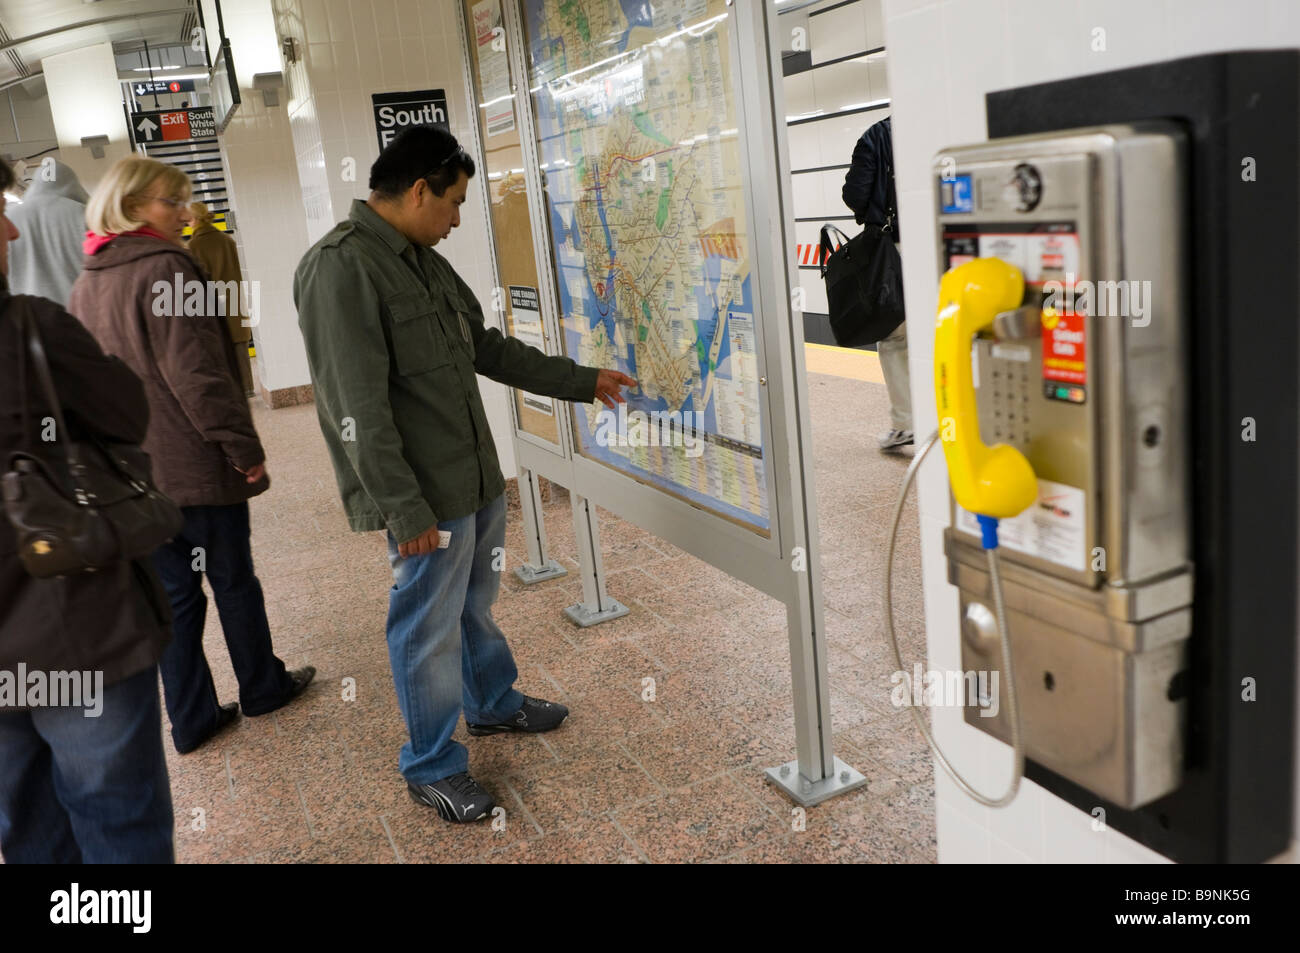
(206, 454)
(215, 252)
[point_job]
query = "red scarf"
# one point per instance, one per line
(94, 243)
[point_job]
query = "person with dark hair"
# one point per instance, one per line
(869, 193)
(394, 340)
(79, 783)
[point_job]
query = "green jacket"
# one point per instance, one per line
(394, 340)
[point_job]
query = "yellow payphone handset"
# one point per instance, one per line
(991, 482)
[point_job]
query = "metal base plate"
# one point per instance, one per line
(528, 575)
(583, 617)
(807, 793)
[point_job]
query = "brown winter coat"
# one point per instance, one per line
(201, 431)
(116, 620)
(216, 253)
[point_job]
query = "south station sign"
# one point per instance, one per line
(397, 111)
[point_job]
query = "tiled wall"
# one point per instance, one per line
(348, 52)
(943, 58)
(829, 32)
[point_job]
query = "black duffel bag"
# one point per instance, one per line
(864, 284)
(87, 508)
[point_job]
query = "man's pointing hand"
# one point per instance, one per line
(609, 385)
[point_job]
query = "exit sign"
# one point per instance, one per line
(173, 125)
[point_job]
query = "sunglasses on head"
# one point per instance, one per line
(455, 153)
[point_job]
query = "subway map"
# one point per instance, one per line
(637, 131)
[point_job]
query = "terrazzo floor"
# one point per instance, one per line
(675, 779)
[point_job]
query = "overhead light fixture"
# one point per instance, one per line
(169, 78)
(270, 84)
(95, 144)
(156, 69)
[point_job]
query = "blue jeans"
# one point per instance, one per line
(264, 685)
(75, 789)
(445, 650)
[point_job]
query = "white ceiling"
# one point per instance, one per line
(160, 22)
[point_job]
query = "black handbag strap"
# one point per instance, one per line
(824, 247)
(34, 349)
(892, 214)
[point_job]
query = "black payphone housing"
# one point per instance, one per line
(1241, 111)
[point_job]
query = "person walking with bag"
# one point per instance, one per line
(79, 783)
(216, 253)
(869, 194)
(206, 452)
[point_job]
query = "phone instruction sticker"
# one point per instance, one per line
(1055, 528)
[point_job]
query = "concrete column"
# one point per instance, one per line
(86, 100)
(267, 197)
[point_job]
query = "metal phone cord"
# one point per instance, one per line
(1017, 741)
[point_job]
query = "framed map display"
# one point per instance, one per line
(636, 119)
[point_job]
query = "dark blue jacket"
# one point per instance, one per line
(869, 184)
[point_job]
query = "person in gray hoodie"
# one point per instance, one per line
(52, 219)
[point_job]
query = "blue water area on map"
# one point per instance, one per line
(638, 13)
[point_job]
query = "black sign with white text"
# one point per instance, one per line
(397, 111)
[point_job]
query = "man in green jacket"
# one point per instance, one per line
(394, 340)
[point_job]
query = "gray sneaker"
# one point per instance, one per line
(459, 798)
(895, 439)
(535, 715)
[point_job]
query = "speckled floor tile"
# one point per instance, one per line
(593, 840)
(364, 843)
(704, 821)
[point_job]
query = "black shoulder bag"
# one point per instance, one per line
(94, 507)
(864, 283)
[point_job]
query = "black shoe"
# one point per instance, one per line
(535, 715)
(459, 798)
(227, 715)
(299, 679)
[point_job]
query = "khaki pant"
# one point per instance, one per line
(893, 364)
(892, 352)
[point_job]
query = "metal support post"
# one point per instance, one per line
(596, 605)
(539, 566)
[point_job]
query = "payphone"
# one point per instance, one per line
(1061, 384)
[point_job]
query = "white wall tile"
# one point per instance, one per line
(1020, 823)
(960, 841)
(1122, 850)
(1001, 852)
(839, 32)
